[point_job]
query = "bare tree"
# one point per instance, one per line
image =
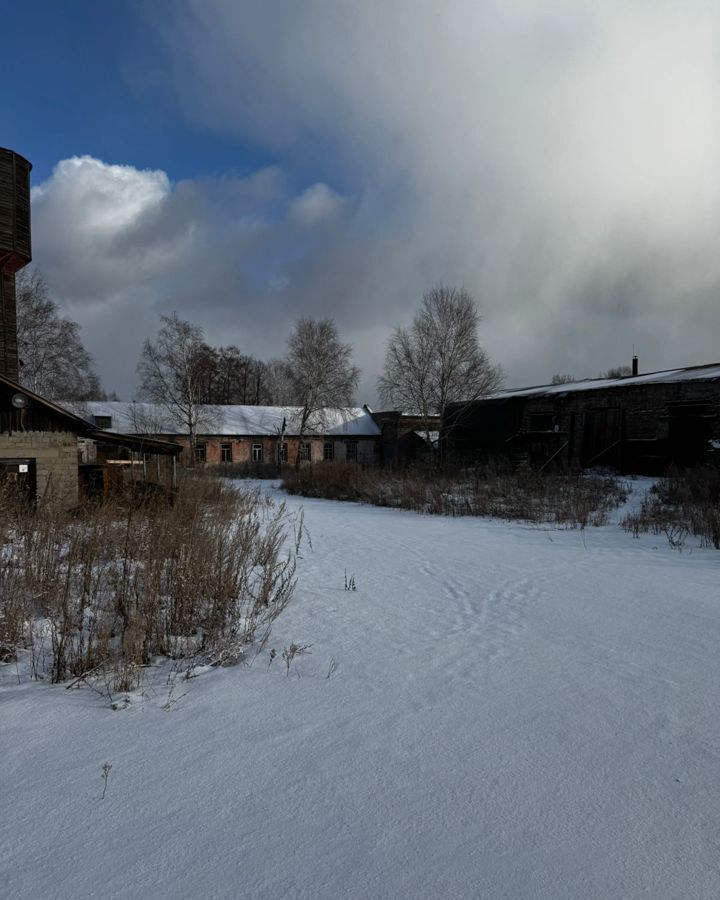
(562, 378)
(438, 359)
(277, 387)
(147, 419)
(320, 371)
(616, 372)
(228, 376)
(53, 361)
(173, 373)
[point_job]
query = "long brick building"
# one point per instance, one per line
(252, 436)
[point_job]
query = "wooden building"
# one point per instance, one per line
(640, 423)
(406, 437)
(52, 455)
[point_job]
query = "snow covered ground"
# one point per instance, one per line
(516, 713)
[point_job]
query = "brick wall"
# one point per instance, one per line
(241, 448)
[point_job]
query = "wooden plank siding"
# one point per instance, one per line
(15, 250)
(641, 428)
(9, 362)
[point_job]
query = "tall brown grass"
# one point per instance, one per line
(118, 583)
(573, 501)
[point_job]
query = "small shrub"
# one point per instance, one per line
(681, 503)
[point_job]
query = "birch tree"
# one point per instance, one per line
(320, 371)
(53, 360)
(438, 360)
(172, 371)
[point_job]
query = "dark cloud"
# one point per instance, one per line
(557, 158)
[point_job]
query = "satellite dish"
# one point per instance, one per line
(20, 401)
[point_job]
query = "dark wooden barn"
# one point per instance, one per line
(640, 423)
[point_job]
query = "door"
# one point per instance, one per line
(19, 475)
(602, 434)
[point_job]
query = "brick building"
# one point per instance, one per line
(257, 437)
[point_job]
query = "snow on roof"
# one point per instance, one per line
(432, 436)
(251, 421)
(668, 376)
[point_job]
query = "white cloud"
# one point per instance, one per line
(317, 204)
(99, 227)
(119, 245)
(111, 197)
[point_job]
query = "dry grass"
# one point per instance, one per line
(682, 503)
(119, 583)
(265, 470)
(574, 501)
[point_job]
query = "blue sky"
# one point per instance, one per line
(245, 163)
(84, 84)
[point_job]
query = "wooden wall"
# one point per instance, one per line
(9, 364)
(15, 241)
(634, 428)
(15, 250)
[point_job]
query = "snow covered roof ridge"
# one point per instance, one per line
(137, 417)
(710, 372)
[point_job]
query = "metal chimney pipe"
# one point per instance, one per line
(635, 365)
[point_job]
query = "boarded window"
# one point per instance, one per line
(351, 450)
(226, 453)
(328, 450)
(257, 453)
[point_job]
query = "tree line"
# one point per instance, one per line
(436, 360)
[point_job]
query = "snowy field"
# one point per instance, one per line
(515, 712)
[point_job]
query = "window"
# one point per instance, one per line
(328, 450)
(103, 421)
(305, 453)
(257, 453)
(351, 450)
(226, 453)
(282, 452)
(200, 453)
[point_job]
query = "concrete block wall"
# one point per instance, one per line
(56, 462)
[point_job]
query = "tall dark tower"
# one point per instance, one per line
(15, 250)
